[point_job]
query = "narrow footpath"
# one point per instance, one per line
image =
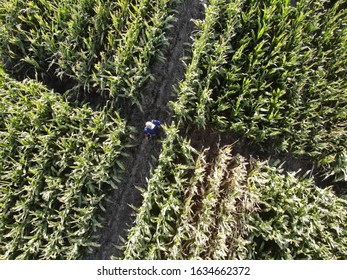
(119, 215)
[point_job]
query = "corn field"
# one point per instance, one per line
(57, 165)
(276, 75)
(261, 73)
(231, 208)
(85, 48)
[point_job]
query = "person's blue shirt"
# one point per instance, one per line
(152, 127)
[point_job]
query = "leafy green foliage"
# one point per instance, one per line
(274, 74)
(57, 164)
(96, 47)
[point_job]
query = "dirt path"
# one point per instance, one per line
(119, 215)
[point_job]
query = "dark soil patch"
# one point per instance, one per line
(119, 215)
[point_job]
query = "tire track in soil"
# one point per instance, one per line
(119, 215)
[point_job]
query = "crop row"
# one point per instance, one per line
(57, 165)
(275, 74)
(230, 208)
(89, 48)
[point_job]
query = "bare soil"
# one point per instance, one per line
(119, 214)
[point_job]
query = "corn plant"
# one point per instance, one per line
(58, 163)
